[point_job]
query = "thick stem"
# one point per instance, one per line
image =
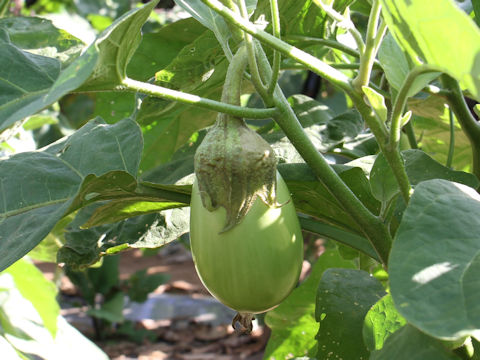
(391, 152)
(232, 87)
(169, 94)
(368, 55)
(469, 125)
(373, 227)
(332, 75)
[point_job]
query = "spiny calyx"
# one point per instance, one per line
(234, 165)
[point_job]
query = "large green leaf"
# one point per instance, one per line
(39, 36)
(430, 35)
(167, 133)
(30, 82)
(409, 343)
(381, 321)
(193, 65)
(84, 247)
(396, 66)
(343, 299)
(434, 262)
(158, 49)
(166, 125)
(312, 197)
(39, 188)
(21, 323)
(343, 134)
(212, 20)
(293, 322)
(40, 292)
(298, 17)
(432, 126)
(111, 106)
(327, 231)
(116, 46)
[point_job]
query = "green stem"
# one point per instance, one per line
(435, 91)
(469, 125)
(368, 55)
(373, 227)
(232, 88)
(382, 29)
(412, 139)
(277, 59)
(252, 61)
(401, 101)
(4, 6)
(311, 62)
(165, 93)
(343, 23)
(391, 152)
(451, 147)
(391, 148)
(329, 43)
(236, 32)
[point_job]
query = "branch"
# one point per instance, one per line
(368, 55)
(277, 59)
(373, 227)
(343, 23)
(312, 63)
(469, 125)
(169, 94)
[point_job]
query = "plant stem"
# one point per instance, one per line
(343, 23)
(236, 32)
(412, 140)
(382, 29)
(252, 61)
(169, 94)
(329, 43)
(276, 55)
(401, 100)
(390, 151)
(4, 6)
(368, 55)
(451, 147)
(330, 74)
(373, 227)
(469, 125)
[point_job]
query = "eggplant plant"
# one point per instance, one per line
(214, 111)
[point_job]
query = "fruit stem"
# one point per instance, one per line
(245, 320)
(233, 81)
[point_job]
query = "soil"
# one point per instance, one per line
(181, 339)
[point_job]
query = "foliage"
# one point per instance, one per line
(30, 321)
(382, 158)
